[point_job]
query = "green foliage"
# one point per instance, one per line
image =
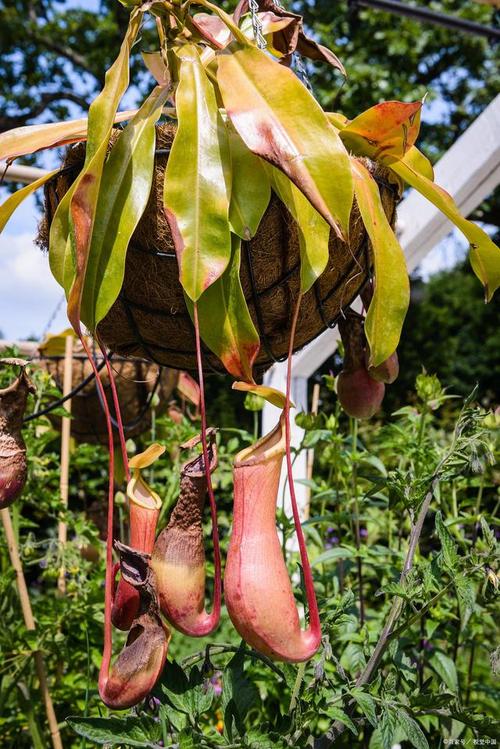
(450, 332)
(434, 678)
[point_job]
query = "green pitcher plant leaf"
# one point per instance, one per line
(197, 180)
(314, 232)
(30, 138)
(251, 189)
(484, 254)
(280, 121)
(72, 225)
(157, 66)
(120, 208)
(225, 323)
(415, 169)
(391, 295)
(386, 130)
(9, 206)
(416, 160)
(271, 395)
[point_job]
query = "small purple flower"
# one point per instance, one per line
(363, 533)
(426, 645)
(216, 682)
(43, 564)
(153, 704)
(331, 539)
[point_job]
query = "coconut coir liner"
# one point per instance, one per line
(150, 319)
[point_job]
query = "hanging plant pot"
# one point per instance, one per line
(150, 319)
(137, 382)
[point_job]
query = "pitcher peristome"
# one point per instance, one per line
(144, 510)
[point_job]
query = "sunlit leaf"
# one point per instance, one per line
(157, 67)
(124, 192)
(484, 254)
(147, 457)
(314, 232)
(197, 180)
(416, 160)
(72, 225)
(225, 322)
(250, 191)
(391, 294)
(386, 130)
(13, 201)
(280, 121)
(276, 397)
(54, 344)
(30, 138)
(338, 120)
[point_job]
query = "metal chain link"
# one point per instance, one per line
(53, 316)
(301, 71)
(297, 60)
(257, 24)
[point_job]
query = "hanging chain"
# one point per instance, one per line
(53, 316)
(257, 24)
(297, 60)
(301, 71)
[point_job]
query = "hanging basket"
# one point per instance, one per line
(137, 382)
(150, 319)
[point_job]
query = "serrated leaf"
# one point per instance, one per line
(391, 295)
(314, 232)
(281, 122)
(131, 730)
(237, 687)
(488, 535)
(387, 727)
(413, 732)
(13, 201)
(123, 196)
(224, 319)
(335, 713)
(484, 254)
(174, 685)
(197, 180)
(353, 658)
(366, 704)
(445, 669)
(250, 189)
(376, 741)
(186, 739)
(448, 546)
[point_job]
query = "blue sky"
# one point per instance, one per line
(28, 293)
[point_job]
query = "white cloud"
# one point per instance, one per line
(28, 293)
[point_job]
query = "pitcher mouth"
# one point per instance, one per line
(265, 449)
(142, 495)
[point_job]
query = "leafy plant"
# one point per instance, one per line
(246, 126)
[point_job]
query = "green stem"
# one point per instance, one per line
(359, 564)
(296, 687)
(217, 649)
